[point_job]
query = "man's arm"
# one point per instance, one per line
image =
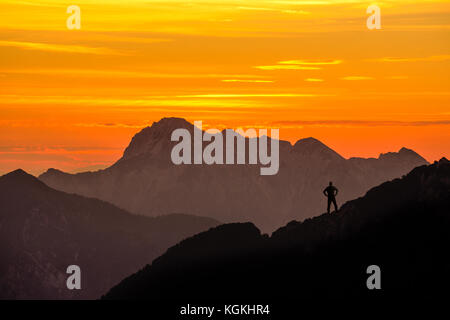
(336, 189)
(325, 192)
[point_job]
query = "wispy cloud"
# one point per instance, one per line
(286, 67)
(34, 4)
(93, 73)
(314, 63)
(357, 78)
(59, 48)
(299, 65)
(444, 57)
(112, 125)
(274, 10)
(251, 95)
(397, 77)
(247, 81)
(160, 103)
(303, 3)
(314, 80)
(359, 123)
(54, 149)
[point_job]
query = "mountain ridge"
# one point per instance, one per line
(145, 181)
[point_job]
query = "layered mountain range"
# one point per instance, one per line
(145, 180)
(400, 226)
(43, 231)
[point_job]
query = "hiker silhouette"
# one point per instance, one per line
(331, 192)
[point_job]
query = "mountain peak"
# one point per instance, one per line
(403, 154)
(407, 151)
(54, 171)
(17, 172)
(312, 146)
(20, 178)
(310, 141)
(172, 122)
(442, 161)
(158, 134)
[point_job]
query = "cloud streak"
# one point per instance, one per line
(357, 78)
(251, 95)
(438, 58)
(299, 65)
(286, 67)
(311, 63)
(247, 81)
(94, 73)
(360, 123)
(314, 80)
(59, 48)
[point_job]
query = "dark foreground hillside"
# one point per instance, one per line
(403, 226)
(43, 231)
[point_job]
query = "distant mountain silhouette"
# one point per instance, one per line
(402, 226)
(145, 181)
(43, 231)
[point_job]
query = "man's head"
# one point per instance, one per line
(331, 183)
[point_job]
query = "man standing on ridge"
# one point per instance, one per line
(331, 192)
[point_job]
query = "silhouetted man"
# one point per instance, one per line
(331, 192)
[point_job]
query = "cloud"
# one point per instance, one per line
(273, 9)
(35, 4)
(314, 63)
(299, 65)
(359, 123)
(357, 78)
(247, 81)
(93, 73)
(155, 103)
(55, 149)
(444, 57)
(302, 3)
(111, 125)
(397, 77)
(286, 67)
(314, 80)
(251, 95)
(59, 48)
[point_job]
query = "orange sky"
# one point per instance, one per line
(72, 99)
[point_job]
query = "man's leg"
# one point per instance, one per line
(335, 204)
(329, 204)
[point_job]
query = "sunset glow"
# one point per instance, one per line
(72, 99)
